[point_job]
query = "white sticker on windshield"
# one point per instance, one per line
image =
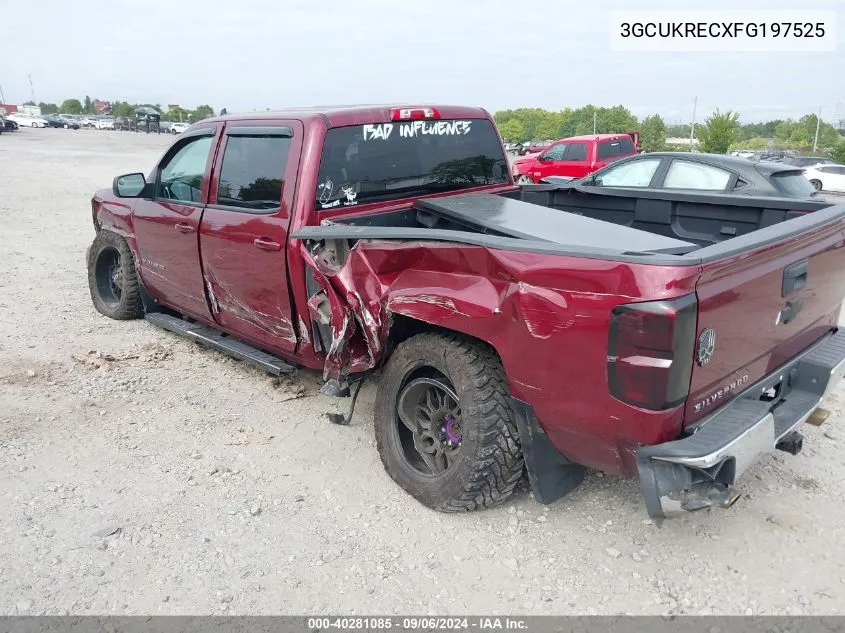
(417, 128)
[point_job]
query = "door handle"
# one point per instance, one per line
(184, 227)
(266, 244)
(794, 278)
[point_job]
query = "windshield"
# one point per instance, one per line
(388, 161)
(793, 183)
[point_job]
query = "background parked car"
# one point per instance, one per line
(125, 123)
(534, 147)
(88, 122)
(7, 125)
(575, 157)
(714, 173)
(826, 177)
(105, 124)
(57, 120)
(178, 128)
(27, 120)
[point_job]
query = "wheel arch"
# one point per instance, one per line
(404, 327)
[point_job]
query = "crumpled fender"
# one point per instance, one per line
(365, 293)
(115, 215)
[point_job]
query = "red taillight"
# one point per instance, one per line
(650, 352)
(410, 114)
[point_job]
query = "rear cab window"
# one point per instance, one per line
(390, 161)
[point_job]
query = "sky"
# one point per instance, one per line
(252, 54)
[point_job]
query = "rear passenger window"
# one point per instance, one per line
(619, 147)
(576, 151)
(253, 168)
(683, 174)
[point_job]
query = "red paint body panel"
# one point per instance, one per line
(732, 290)
(547, 316)
(168, 257)
(537, 169)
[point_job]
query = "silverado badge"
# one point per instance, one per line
(706, 345)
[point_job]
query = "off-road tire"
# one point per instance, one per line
(490, 462)
(129, 305)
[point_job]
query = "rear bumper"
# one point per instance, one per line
(700, 470)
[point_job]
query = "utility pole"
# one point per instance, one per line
(31, 89)
(692, 127)
(818, 124)
(594, 122)
(2, 96)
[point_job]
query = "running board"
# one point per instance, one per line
(222, 342)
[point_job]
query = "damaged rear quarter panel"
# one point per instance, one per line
(546, 315)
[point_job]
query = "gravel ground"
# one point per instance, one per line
(140, 474)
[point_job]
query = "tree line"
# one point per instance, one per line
(125, 109)
(719, 133)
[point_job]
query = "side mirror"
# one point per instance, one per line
(129, 185)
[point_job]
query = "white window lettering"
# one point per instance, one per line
(372, 132)
(428, 128)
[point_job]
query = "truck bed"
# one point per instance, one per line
(669, 228)
(515, 218)
(700, 218)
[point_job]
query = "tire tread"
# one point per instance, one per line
(498, 464)
(130, 306)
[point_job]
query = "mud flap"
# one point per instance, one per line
(550, 474)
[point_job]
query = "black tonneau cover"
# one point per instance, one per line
(524, 220)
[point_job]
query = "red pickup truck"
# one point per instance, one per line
(575, 157)
(671, 336)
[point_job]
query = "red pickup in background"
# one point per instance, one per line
(575, 157)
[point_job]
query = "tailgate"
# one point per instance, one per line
(760, 307)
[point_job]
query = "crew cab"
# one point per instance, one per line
(673, 336)
(575, 157)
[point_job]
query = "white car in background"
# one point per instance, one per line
(27, 120)
(826, 177)
(178, 128)
(105, 124)
(88, 122)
